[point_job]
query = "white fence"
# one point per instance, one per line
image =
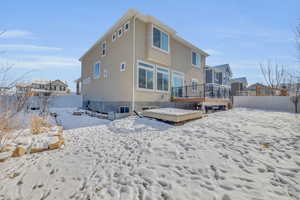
(60, 101)
(275, 103)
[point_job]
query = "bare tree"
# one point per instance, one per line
(293, 85)
(274, 74)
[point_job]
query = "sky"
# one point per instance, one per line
(45, 39)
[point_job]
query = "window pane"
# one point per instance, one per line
(142, 78)
(159, 81)
(198, 59)
(149, 80)
(156, 37)
(194, 58)
(166, 82)
(165, 41)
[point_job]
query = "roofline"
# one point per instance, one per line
(145, 18)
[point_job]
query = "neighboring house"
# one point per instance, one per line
(239, 86)
(136, 64)
(259, 89)
(43, 87)
(218, 79)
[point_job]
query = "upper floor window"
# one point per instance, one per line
(195, 59)
(123, 67)
(126, 26)
(120, 32)
(114, 36)
(103, 48)
(97, 70)
(162, 76)
(160, 39)
(145, 76)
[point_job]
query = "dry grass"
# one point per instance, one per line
(39, 125)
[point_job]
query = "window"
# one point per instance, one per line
(145, 76)
(126, 26)
(103, 48)
(124, 109)
(160, 39)
(177, 83)
(122, 67)
(195, 59)
(97, 70)
(114, 36)
(105, 74)
(194, 85)
(120, 32)
(162, 79)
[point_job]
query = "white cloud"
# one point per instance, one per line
(8, 34)
(212, 52)
(26, 47)
(41, 62)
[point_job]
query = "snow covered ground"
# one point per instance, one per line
(219, 157)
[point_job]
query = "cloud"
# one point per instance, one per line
(212, 52)
(9, 34)
(42, 62)
(26, 47)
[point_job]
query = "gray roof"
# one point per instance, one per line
(223, 67)
(239, 80)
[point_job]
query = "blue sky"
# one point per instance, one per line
(48, 37)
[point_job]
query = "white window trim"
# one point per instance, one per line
(199, 65)
(154, 47)
(104, 42)
(196, 81)
(125, 30)
(105, 73)
(122, 70)
(120, 35)
(124, 107)
(94, 76)
(146, 68)
(177, 75)
(112, 36)
(168, 73)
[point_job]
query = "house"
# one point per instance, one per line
(259, 89)
(239, 86)
(140, 63)
(43, 87)
(218, 78)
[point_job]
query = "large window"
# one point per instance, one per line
(177, 83)
(145, 76)
(196, 59)
(160, 39)
(162, 79)
(194, 85)
(97, 70)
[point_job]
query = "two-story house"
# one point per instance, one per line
(135, 65)
(217, 80)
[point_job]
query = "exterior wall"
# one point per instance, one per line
(179, 59)
(109, 94)
(117, 86)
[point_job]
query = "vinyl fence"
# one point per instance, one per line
(274, 103)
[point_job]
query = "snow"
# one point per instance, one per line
(220, 157)
(172, 111)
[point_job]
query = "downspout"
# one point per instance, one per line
(133, 67)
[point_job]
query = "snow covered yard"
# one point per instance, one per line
(238, 154)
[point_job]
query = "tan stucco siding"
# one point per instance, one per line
(179, 59)
(117, 86)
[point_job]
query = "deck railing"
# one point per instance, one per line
(208, 90)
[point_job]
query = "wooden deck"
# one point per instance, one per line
(200, 100)
(179, 117)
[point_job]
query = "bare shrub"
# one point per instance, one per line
(39, 125)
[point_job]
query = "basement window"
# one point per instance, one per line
(124, 109)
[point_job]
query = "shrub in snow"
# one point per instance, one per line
(39, 125)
